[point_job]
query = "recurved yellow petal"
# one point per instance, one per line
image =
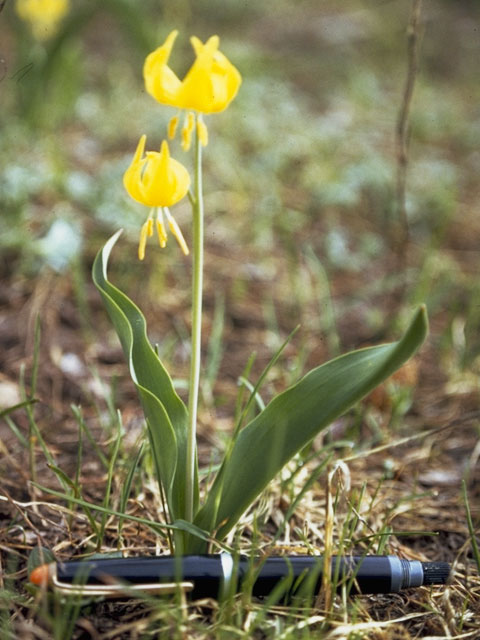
(132, 178)
(208, 87)
(160, 81)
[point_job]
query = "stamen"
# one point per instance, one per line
(145, 232)
(150, 227)
(161, 232)
(187, 131)
(172, 127)
(202, 132)
(175, 229)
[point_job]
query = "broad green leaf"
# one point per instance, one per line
(293, 418)
(165, 412)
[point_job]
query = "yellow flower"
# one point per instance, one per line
(158, 181)
(208, 87)
(43, 15)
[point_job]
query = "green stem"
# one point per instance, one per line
(197, 286)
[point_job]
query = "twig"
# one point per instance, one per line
(471, 528)
(401, 231)
(324, 598)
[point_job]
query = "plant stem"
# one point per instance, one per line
(401, 230)
(471, 528)
(197, 286)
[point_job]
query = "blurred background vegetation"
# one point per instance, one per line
(301, 228)
(300, 183)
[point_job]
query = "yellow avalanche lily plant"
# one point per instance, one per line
(276, 434)
(157, 181)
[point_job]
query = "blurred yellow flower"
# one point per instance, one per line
(208, 87)
(157, 181)
(43, 16)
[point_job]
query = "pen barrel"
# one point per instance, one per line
(206, 572)
(214, 575)
(369, 574)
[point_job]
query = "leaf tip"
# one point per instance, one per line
(422, 314)
(418, 328)
(107, 249)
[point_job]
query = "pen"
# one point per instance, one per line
(210, 575)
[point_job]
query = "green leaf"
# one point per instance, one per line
(294, 418)
(165, 412)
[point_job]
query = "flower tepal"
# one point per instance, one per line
(157, 181)
(209, 86)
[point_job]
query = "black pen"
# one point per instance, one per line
(210, 575)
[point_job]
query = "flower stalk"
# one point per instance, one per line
(159, 181)
(196, 345)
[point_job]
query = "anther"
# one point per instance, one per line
(145, 232)
(175, 229)
(162, 234)
(172, 127)
(187, 131)
(202, 132)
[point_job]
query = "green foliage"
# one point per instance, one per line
(294, 418)
(165, 412)
(260, 450)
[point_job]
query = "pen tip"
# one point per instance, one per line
(40, 575)
(435, 572)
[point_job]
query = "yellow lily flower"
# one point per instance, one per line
(43, 15)
(158, 181)
(208, 87)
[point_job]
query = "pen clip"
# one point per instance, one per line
(117, 589)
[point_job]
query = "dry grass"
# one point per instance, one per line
(395, 490)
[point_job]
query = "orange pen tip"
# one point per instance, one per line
(40, 575)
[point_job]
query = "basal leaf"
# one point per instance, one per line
(294, 418)
(165, 412)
